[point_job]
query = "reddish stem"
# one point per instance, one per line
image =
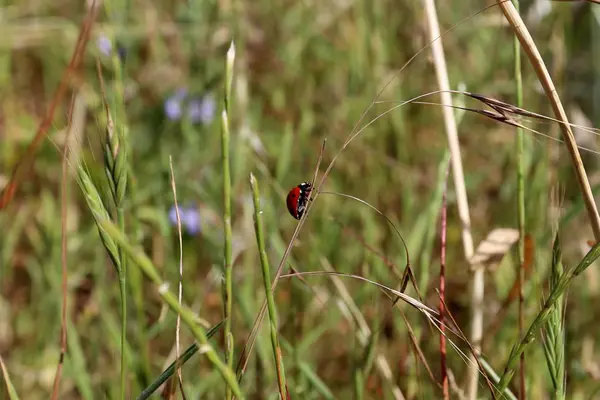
(63, 251)
(24, 164)
(443, 291)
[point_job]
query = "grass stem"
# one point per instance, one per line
(264, 262)
(180, 292)
(520, 207)
(228, 296)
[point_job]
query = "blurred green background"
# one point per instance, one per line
(305, 71)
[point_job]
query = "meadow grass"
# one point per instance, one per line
(311, 92)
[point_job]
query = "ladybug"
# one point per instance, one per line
(298, 198)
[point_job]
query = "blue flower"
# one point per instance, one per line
(174, 106)
(202, 109)
(190, 218)
(104, 45)
(197, 109)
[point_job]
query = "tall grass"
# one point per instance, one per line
(228, 294)
(116, 169)
(554, 331)
(112, 234)
(266, 273)
(542, 317)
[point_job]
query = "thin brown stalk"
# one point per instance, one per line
(528, 45)
(178, 325)
(444, 371)
(63, 255)
(26, 161)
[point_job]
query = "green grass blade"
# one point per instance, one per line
(228, 235)
(264, 262)
(170, 370)
(12, 393)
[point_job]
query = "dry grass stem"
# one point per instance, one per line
(63, 255)
(478, 281)
(528, 45)
(180, 292)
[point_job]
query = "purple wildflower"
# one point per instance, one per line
(173, 105)
(173, 108)
(104, 45)
(202, 109)
(190, 218)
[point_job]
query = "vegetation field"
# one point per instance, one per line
(445, 247)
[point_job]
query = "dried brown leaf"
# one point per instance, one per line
(494, 247)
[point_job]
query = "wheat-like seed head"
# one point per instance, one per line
(96, 206)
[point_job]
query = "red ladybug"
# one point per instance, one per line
(298, 198)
